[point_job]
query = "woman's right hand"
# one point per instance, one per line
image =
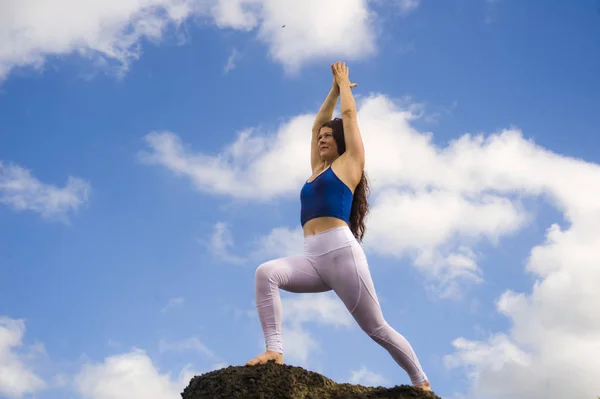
(334, 86)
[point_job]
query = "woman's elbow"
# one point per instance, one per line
(349, 113)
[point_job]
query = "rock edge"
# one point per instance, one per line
(275, 381)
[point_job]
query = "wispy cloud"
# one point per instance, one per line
(232, 60)
(22, 191)
(490, 6)
(173, 303)
(365, 377)
(220, 245)
(408, 6)
(322, 308)
(280, 241)
(298, 344)
(300, 311)
(189, 344)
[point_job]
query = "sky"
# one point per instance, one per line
(152, 153)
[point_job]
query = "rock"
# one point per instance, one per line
(275, 381)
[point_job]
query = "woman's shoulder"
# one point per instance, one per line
(348, 170)
(318, 168)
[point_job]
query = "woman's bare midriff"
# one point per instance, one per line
(319, 225)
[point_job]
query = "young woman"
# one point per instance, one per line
(333, 207)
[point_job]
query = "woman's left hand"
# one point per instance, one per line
(340, 73)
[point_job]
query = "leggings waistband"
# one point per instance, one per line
(328, 240)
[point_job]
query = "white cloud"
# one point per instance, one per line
(20, 190)
(32, 30)
(302, 310)
(279, 242)
(16, 377)
(317, 30)
(189, 344)
(244, 168)
(489, 10)
(238, 313)
(448, 271)
(236, 14)
(231, 60)
(323, 308)
(493, 354)
(220, 244)
(298, 344)
(367, 378)
(427, 223)
(551, 348)
(299, 310)
(128, 375)
(60, 380)
(313, 29)
(110, 32)
(408, 6)
(173, 303)
(435, 204)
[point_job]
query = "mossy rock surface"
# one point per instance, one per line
(274, 381)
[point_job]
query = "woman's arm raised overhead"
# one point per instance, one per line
(325, 114)
(354, 144)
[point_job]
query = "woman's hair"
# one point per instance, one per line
(360, 203)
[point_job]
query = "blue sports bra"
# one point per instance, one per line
(326, 195)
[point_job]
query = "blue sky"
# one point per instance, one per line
(152, 153)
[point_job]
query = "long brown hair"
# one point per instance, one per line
(360, 202)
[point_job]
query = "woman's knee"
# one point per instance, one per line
(267, 270)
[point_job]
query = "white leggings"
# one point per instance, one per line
(333, 260)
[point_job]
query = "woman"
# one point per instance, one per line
(333, 208)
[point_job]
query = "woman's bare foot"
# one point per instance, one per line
(426, 386)
(265, 357)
